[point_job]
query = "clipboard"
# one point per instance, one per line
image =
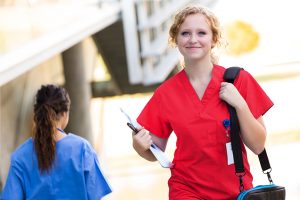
(157, 152)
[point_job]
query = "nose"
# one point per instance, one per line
(193, 38)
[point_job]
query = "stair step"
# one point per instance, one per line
(162, 15)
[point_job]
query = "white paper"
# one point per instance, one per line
(157, 152)
(160, 156)
(132, 121)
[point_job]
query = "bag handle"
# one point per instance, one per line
(229, 76)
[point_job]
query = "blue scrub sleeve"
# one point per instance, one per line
(13, 188)
(96, 184)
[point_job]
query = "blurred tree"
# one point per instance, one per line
(242, 38)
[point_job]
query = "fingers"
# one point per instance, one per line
(230, 94)
(143, 139)
(225, 85)
(222, 93)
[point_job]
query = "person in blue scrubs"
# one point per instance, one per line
(52, 164)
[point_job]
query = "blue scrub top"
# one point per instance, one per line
(76, 173)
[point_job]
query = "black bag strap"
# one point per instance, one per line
(229, 76)
(231, 73)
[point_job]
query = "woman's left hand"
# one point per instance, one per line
(231, 95)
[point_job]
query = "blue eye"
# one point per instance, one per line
(202, 33)
(185, 33)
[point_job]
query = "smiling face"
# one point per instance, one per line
(195, 38)
(193, 18)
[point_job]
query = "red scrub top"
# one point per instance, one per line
(200, 161)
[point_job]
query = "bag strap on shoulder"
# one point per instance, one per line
(231, 73)
(229, 76)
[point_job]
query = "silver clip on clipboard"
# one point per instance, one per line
(157, 152)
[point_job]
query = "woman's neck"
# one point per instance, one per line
(199, 76)
(59, 134)
(199, 71)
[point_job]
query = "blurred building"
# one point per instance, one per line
(93, 48)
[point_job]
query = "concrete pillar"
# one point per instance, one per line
(79, 90)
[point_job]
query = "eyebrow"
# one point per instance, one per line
(198, 29)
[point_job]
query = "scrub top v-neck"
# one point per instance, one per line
(209, 92)
(200, 158)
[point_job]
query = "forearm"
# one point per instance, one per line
(253, 131)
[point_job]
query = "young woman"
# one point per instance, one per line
(53, 164)
(192, 104)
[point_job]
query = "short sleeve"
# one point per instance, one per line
(96, 183)
(13, 189)
(153, 117)
(258, 101)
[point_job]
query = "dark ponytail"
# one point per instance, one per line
(51, 101)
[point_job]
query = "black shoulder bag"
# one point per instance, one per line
(260, 192)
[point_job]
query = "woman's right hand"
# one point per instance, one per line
(141, 140)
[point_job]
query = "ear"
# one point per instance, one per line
(64, 114)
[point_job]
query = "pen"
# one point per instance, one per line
(132, 127)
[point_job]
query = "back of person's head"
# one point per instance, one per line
(51, 102)
(212, 20)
